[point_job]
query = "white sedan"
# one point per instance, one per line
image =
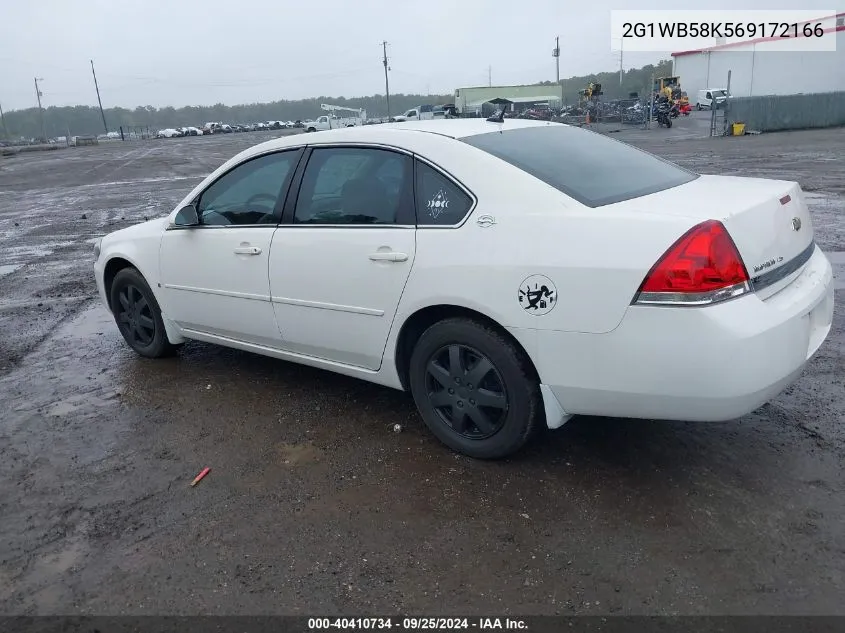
(508, 274)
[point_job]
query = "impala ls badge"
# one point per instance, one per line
(796, 224)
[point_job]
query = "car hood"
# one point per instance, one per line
(144, 229)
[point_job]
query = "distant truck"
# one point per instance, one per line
(332, 121)
(420, 113)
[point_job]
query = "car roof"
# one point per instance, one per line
(451, 128)
(461, 128)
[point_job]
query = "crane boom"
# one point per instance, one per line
(337, 108)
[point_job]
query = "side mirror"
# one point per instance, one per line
(187, 216)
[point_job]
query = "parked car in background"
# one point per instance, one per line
(168, 133)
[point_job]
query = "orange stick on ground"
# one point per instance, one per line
(199, 477)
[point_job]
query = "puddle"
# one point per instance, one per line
(95, 321)
(8, 269)
(42, 250)
(297, 453)
(61, 409)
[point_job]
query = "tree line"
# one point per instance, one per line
(79, 120)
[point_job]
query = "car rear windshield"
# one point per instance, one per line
(591, 168)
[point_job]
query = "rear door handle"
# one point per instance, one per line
(389, 257)
(247, 250)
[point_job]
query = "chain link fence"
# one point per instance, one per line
(787, 112)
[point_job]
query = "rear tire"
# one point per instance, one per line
(475, 389)
(138, 315)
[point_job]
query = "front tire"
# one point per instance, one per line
(138, 315)
(475, 389)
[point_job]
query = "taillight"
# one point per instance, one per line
(701, 268)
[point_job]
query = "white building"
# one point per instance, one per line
(765, 66)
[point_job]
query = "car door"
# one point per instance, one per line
(214, 274)
(340, 259)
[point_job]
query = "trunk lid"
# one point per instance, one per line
(768, 220)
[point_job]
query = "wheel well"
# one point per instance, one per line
(113, 266)
(421, 320)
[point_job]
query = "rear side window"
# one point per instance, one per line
(591, 168)
(440, 201)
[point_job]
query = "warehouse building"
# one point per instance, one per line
(765, 67)
(469, 101)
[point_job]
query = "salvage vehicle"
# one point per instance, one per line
(169, 133)
(492, 269)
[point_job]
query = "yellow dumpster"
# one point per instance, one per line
(738, 129)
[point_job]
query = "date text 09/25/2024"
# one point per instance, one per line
(417, 624)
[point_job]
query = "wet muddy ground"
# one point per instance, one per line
(314, 505)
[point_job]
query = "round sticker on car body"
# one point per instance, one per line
(537, 295)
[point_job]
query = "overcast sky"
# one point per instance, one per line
(199, 52)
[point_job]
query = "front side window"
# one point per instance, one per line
(440, 201)
(355, 185)
(251, 193)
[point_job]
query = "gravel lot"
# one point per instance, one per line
(314, 505)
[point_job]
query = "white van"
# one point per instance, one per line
(705, 98)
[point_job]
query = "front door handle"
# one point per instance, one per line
(247, 250)
(389, 257)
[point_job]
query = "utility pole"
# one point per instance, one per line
(40, 110)
(621, 53)
(556, 55)
(97, 88)
(489, 76)
(3, 122)
(386, 82)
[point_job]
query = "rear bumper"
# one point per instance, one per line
(698, 364)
